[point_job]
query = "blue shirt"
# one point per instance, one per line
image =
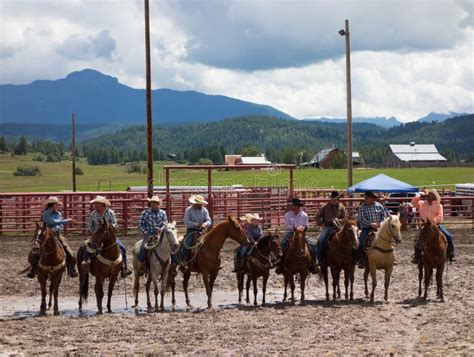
(374, 213)
(151, 221)
(54, 220)
(193, 218)
(254, 233)
(95, 219)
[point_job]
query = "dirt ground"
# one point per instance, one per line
(404, 325)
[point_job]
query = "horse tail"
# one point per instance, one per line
(84, 285)
(24, 270)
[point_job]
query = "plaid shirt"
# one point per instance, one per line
(374, 213)
(151, 221)
(95, 219)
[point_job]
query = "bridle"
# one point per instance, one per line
(41, 245)
(293, 239)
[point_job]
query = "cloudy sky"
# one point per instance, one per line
(409, 57)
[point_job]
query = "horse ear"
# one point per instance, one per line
(44, 225)
(428, 220)
(37, 225)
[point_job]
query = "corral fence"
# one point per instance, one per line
(20, 211)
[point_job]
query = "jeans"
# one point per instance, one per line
(323, 238)
(363, 236)
(188, 241)
(449, 238)
(312, 247)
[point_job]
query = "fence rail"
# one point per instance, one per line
(20, 211)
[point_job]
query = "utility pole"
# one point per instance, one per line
(346, 33)
(73, 149)
(149, 122)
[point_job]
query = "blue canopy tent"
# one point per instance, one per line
(382, 183)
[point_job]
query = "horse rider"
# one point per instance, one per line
(152, 220)
(330, 216)
(371, 215)
(432, 209)
(53, 219)
(103, 213)
(197, 220)
(297, 218)
(254, 233)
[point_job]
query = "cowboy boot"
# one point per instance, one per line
(70, 258)
(314, 268)
(451, 256)
(125, 271)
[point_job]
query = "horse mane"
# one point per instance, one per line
(264, 240)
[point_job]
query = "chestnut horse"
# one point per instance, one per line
(258, 263)
(380, 254)
(339, 255)
(51, 265)
(106, 264)
(433, 246)
(206, 260)
(296, 260)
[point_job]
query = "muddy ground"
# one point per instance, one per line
(404, 325)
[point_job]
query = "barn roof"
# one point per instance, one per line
(255, 160)
(417, 152)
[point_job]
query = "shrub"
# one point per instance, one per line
(52, 158)
(27, 171)
(79, 171)
(204, 161)
(133, 167)
(39, 157)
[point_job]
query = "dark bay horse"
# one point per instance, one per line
(206, 260)
(51, 265)
(433, 246)
(106, 264)
(296, 260)
(258, 264)
(339, 256)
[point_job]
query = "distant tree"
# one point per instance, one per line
(451, 155)
(3, 145)
(79, 171)
(27, 171)
(22, 147)
(204, 161)
(249, 150)
(289, 155)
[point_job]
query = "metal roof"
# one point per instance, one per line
(254, 160)
(416, 152)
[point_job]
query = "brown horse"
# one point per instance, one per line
(51, 265)
(258, 264)
(339, 255)
(106, 264)
(206, 260)
(433, 246)
(296, 260)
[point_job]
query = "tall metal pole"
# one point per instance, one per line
(73, 149)
(149, 122)
(349, 105)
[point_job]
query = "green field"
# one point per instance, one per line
(57, 176)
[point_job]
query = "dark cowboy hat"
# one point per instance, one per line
(369, 194)
(296, 202)
(335, 195)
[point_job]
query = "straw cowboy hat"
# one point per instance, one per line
(197, 200)
(51, 199)
(249, 217)
(434, 192)
(154, 199)
(101, 199)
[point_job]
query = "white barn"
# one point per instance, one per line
(414, 155)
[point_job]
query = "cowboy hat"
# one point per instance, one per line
(51, 199)
(249, 217)
(197, 200)
(296, 202)
(154, 199)
(369, 194)
(101, 199)
(434, 192)
(335, 195)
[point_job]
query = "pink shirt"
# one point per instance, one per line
(433, 211)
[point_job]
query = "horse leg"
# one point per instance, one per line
(164, 280)
(42, 281)
(346, 283)
(247, 288)
(428, 272)
(366, 278)
(207, 284)
(173, 286)
(326, 282)
(439, 282)
(351, 279)
(292, 287)
(99, 292)
(112, 281)
(335, 282)
(136, 287)
(186, 277)
(57, 282)
(240, 284)
(420, 279)
(303, 277)
(373, 275)
(264, 286)
(147, 289)
(255, 291)
(51, 289)
(285, 279)
(156, 291)
(388, 274)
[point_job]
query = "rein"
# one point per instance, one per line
(49, 268)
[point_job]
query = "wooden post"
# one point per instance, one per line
(209, 192)
(73, 149)
(149, 122)
(349, 105)
(168, 196)
(292, 183)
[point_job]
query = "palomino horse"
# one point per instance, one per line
(296, 260)
(258, 264)
(433, 246)
(206, 260)
(159, 255)
(339, 255)
(106, 264)
(380, 254)
(51, 265)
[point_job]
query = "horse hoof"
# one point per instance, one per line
(57, 313)
(42, 313)
(98, 313)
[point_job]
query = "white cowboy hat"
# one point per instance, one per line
(197, 200)
(154, 199)
(249, 217)
(51, 199)
(434, 192)
(101, 199)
